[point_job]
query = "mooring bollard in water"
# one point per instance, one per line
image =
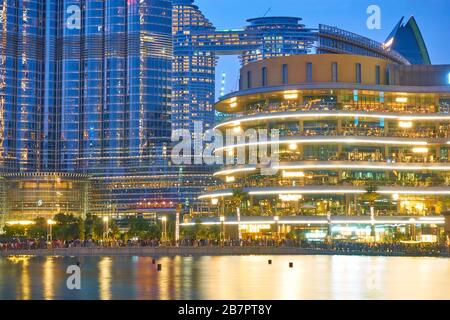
(153, 261)
(159, 267)
(270, 261)
(291, 264)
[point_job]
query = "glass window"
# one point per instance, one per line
(377, 75)
(334, 72)
(309, 76)
(358, 73)
(249, 79)
(264, 76)
(285, 74)
(388, 76)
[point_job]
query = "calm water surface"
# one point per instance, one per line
(228, 277)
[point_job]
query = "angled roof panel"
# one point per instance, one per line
(407, 39)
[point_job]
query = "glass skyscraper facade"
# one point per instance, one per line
(198, 45)
(85, 88)
(85, 91)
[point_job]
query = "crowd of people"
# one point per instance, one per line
(428, 249)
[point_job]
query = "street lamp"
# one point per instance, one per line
(164, 235)
(105, 227)
(50, 223)
(222, 229)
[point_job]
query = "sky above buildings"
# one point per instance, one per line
(433, 17)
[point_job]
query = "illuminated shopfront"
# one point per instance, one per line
(29, 196)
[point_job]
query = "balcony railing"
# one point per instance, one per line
(271, 107)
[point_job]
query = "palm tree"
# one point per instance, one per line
(236, 200)
(371, 196)
(446, 213)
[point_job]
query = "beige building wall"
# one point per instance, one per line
(321, 70)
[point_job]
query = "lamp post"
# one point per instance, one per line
(164, 235)
(277, 227)
(329, 231)
(222, 229)
(177, 224)
(105, 228)
(50, 224)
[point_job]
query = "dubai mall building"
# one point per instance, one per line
(363, 150)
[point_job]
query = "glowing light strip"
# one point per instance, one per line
(20, 223)
(369, 222)
(330, 140)
(306, 191)
(232, 171)
(356, 191)
(361, 166)
(216, 195)
(384, 222)
(433, 218)
(339, 115)
(416, 191)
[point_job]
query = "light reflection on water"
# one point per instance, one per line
(228, 277)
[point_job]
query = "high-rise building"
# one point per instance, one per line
(198, 45)
(85, 88)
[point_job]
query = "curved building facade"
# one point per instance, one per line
(357, 157)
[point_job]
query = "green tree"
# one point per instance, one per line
(154, 232)
(144, 230)
(214, 233)
(371, 196)
(238, 198)
(81, 229)
(114, 231)
(202, 233)
(92, 227)
(39, 229)
(66, 227)
(14, 231)
(192, 231)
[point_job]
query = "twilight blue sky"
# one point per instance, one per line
(433, 17)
